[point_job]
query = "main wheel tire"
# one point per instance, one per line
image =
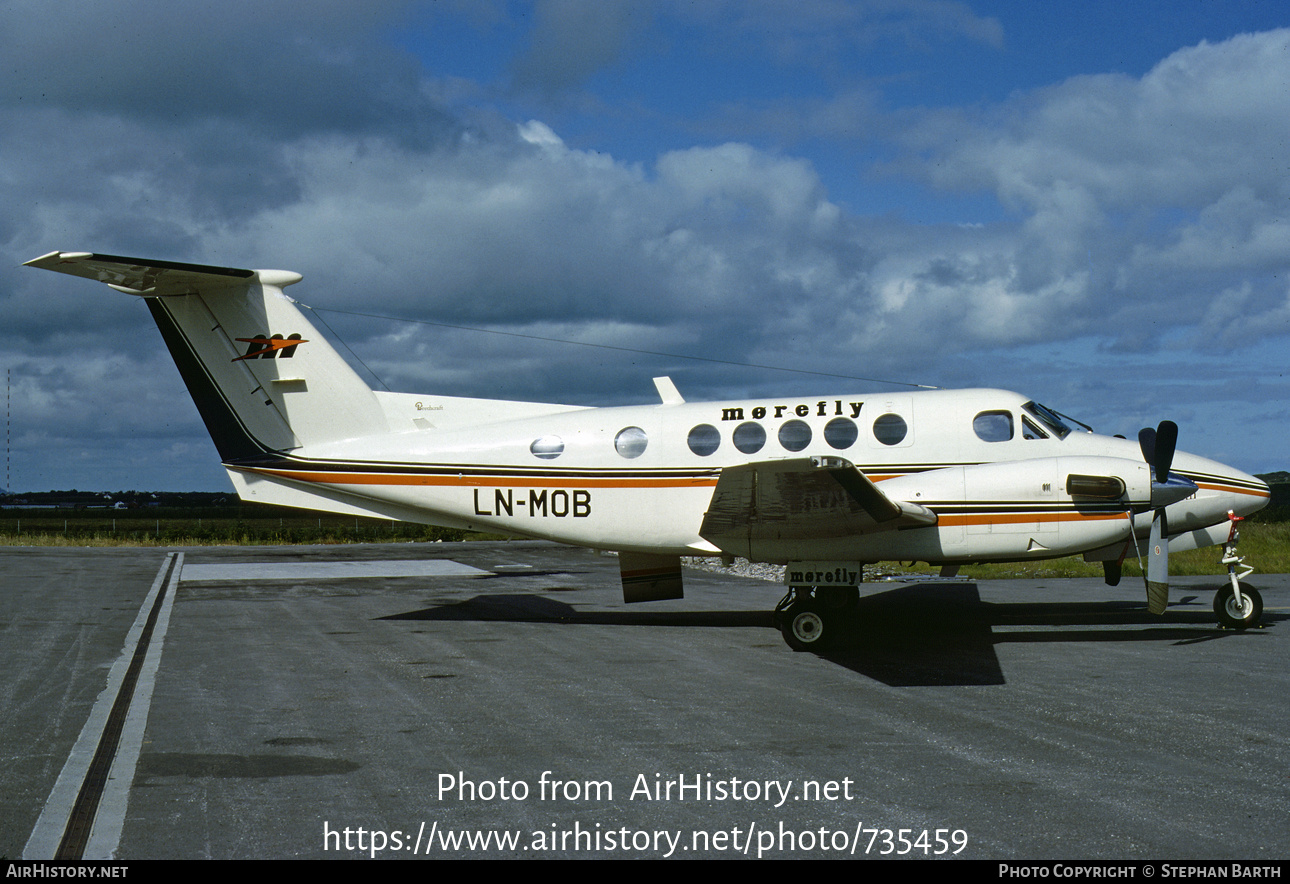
(805, 628)
(1236, 616)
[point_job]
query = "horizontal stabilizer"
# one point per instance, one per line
(801, 499)
(148, 277)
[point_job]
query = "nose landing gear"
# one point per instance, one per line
(1236, 608)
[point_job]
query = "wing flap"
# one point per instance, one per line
(809, 498)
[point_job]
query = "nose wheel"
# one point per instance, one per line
(1237, 613)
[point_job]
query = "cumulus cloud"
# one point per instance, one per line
(260, 65)
(1129, 191)
(1202, 121)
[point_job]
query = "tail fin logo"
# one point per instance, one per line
(270, 346)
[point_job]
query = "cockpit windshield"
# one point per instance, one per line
(1049, 418)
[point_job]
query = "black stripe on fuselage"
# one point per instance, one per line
(1257, 487)
(274, 461)
(995, 508)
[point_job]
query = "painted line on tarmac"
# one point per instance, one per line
(85, 812)
(235, 572)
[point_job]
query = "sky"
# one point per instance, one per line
(1087, 203)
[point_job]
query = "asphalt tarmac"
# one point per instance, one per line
(500, 700)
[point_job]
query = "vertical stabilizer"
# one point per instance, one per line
(261, 375)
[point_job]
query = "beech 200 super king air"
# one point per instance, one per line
(823, 485)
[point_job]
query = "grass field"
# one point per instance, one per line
(1265, 538)
(238, 525)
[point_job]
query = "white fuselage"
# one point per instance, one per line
(993, 472)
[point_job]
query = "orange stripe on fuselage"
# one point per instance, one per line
(1233, 489)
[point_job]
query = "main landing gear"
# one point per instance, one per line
(808, 616)
(1236, 608)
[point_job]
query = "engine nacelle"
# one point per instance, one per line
(1040, 508)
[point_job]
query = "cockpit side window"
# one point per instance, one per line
(993, 426)
(1046, 416)
(1030, 431)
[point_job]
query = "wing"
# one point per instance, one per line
(808, 498)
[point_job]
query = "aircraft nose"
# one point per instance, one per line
(1248, 494)
(1220, 488)
(1263, 491)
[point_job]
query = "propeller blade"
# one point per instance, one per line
(1158, 565)
(1166, 442)
(1158, 447)
(1147, 442)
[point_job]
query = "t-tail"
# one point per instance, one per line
(264, 380)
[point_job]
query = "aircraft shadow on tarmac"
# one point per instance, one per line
(910, 635)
